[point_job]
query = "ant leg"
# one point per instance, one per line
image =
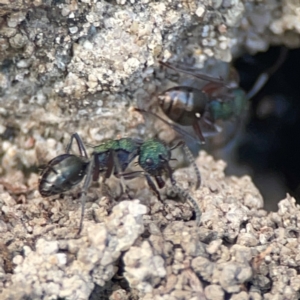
(132, 175)
(80, 145)
(208, 122)
(170, 173)
(191, 159)
(198, 132)
(109, 166)
(194, 74)
(179, 143)
(96, 172)
(69, 146)
(186, 196)
(265, 76)
(85, 187)
(160, 182)
(152, 186)
(113, 163)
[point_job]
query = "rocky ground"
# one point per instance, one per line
(70, 66)
(148, 249)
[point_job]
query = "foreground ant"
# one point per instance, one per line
(64, 171)
(112, 157)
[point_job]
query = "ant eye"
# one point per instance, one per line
(149, 161)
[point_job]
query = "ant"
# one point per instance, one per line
(187, 105)
(112, 157)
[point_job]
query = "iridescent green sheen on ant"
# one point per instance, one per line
(154, 156)
(229, 109)
(127, 144)
(126, 150)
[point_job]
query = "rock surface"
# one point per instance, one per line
(80, 67)
(149, 249)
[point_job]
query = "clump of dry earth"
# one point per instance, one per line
(147, 249)
(79, 67)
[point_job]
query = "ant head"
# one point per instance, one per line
(153, 157)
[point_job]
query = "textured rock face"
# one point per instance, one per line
(90, 58)
(79, 67)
